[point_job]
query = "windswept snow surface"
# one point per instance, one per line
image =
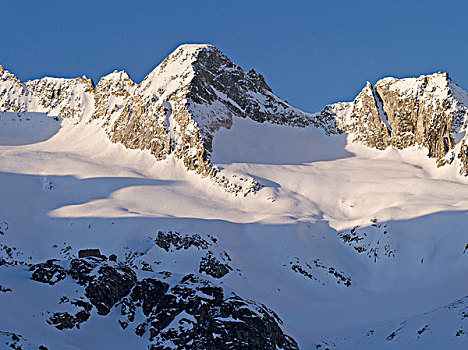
(290, 244)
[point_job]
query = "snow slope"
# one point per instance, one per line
(287, 243)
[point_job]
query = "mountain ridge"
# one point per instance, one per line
(182, 103)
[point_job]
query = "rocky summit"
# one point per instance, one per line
(429, 112)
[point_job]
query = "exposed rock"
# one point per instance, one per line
(67, 98)
(212, 321)
(110, 96)
(111, 285)
(194, 313)
(213, 267)
(80, 269)
(48, 272)
(365, 120)
(14, 341)
(319, 271)
(372, 240)
(4, 289)
(149, 292)
(13, 93)
(65, 320)
(62, 320)
(174, 240)
(425, 112)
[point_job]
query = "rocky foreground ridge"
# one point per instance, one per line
(189, 308)
(197, 90)
(193, 313)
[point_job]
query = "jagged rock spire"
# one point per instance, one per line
(425, 112)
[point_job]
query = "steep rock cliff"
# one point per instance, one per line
(427, 112)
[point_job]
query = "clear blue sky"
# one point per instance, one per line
(310, 52)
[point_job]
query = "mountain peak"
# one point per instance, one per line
(13, 93)
(425, 111)
(116, 75)
(192, 48)
(185, 100)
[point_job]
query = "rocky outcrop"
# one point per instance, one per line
(191, 313)
(365, 120)
(211, 266)
(170, 241)
(426, 112)
(374, 241)
(213, 263)
(48, 272)
(208, 319)
(111, 285)
(15, 341)
(110, 96)
(67, 98)
(13, 93)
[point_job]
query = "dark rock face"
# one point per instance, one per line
(202, 317)
(80, 269)
(4, 289)
(65, 320)
(194, 313)
(149, 292)
(174, 240)
(62, 320)
(216, 267)
(215, 72)
(110, 287)
(48, 272)
(213, 267)
(13, 341)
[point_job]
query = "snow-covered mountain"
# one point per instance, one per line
(176, 109)
(228, 218)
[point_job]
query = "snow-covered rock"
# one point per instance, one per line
(67, 98)
(429, 112)
(13, 93)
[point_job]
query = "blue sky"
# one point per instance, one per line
(310, 52)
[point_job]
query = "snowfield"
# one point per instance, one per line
(352, 247)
